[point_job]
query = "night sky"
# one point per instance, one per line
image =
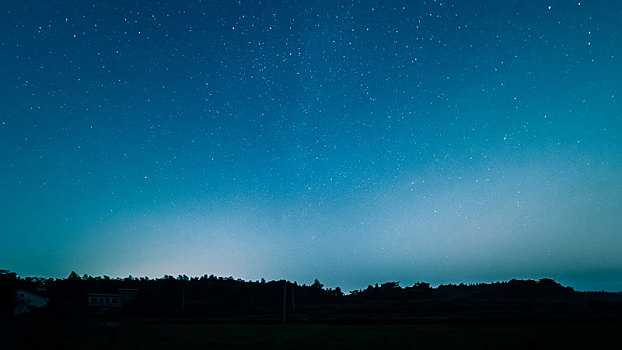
(354, 142)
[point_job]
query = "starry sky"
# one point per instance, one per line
(351, 141)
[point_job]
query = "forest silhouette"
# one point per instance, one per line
(225, 299)
(209, 312)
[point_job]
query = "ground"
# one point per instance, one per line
(173, 334)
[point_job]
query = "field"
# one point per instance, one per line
(100, 334)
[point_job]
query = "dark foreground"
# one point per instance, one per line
(222, 313)
(174, 334)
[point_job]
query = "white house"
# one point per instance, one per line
(103, 302)
(26, 300)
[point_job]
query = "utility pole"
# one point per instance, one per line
(284, 299)
(293, 306)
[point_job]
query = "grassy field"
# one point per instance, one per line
(93, 334)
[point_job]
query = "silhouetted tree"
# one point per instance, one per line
(9, 283)
(317, 284)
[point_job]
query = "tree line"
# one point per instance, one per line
(224, 298)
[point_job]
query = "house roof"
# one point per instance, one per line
(103, 294)
(32, 294)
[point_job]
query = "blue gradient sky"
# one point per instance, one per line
(351, 141)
